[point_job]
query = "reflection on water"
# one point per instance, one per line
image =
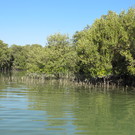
(54, 108)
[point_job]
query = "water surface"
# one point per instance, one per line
(54, 108)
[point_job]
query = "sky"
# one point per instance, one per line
(32, 21)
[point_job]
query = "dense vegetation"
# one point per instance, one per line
(102, 50)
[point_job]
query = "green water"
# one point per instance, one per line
(54, 108)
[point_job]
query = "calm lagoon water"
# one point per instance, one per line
(54, 108)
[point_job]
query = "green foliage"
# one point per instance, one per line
(103, 49)
(19, 55)
(35, 58)
(107, 47)
(5, 56)
(57, 58)
(62, 56)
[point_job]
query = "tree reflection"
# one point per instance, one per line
(63, 107)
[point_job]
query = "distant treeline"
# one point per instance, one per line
(102, 50)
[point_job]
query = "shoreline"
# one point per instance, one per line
(124, 81)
